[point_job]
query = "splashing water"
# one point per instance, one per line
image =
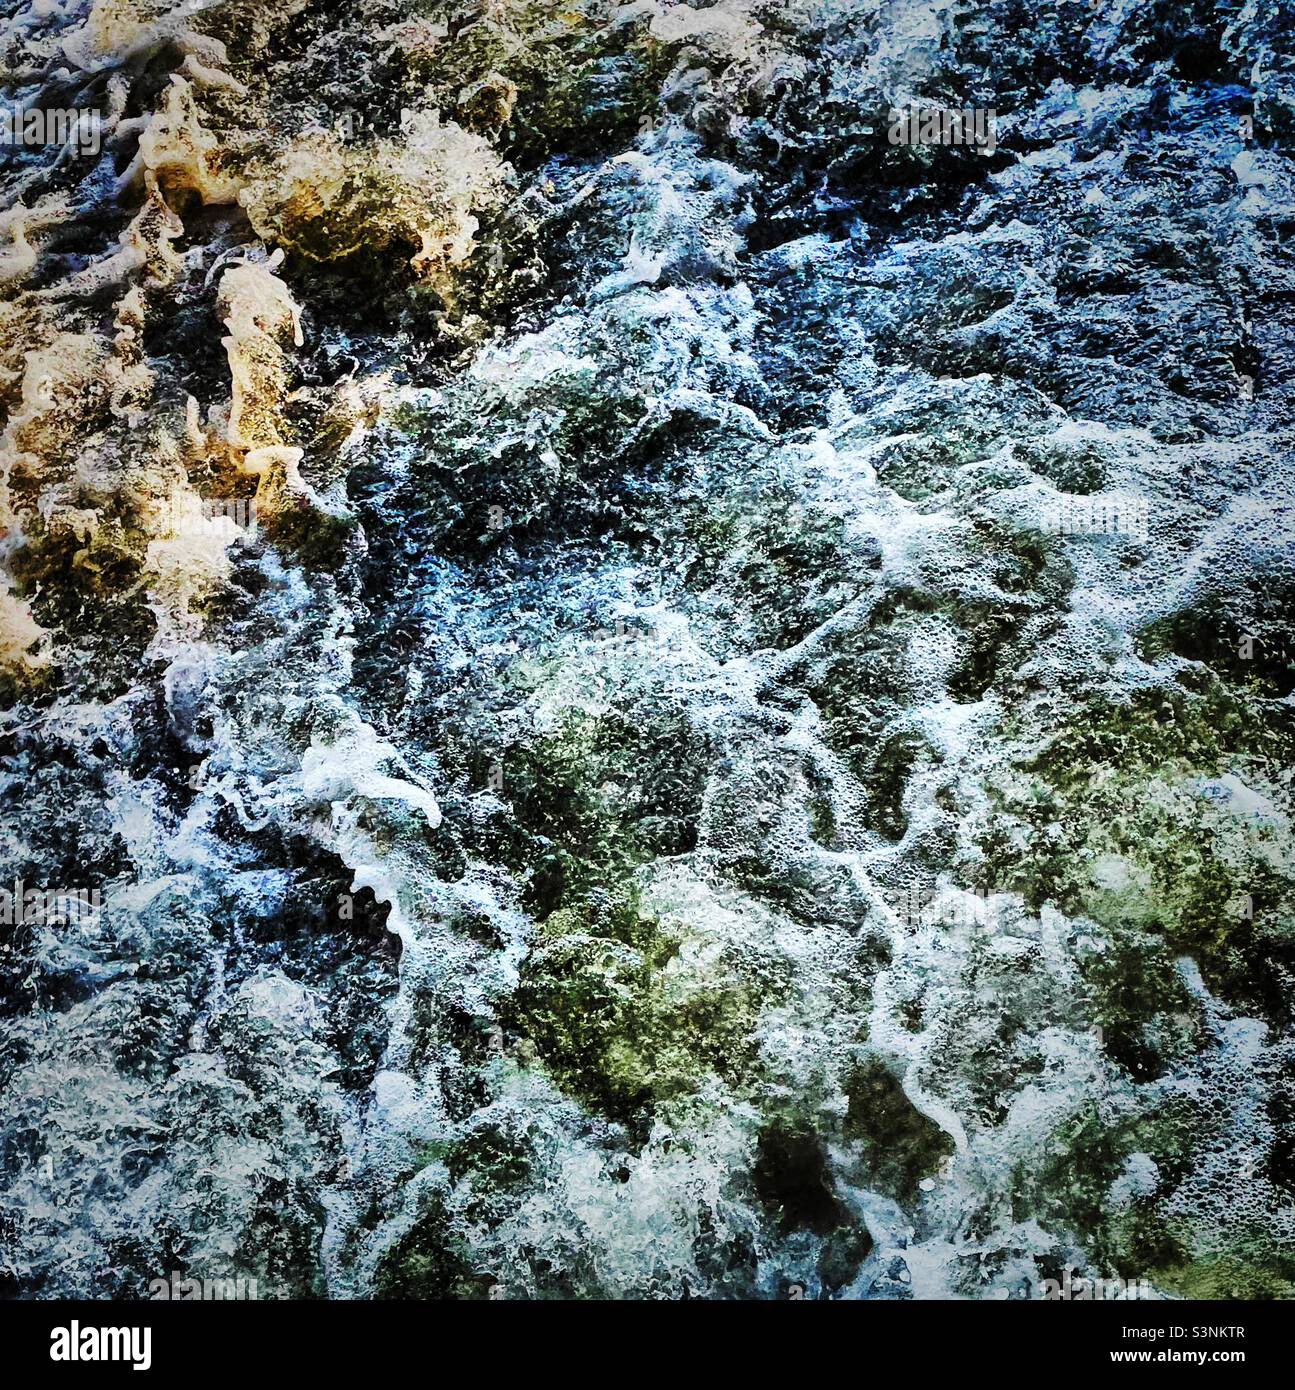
(666, 696)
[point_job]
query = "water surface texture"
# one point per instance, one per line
(635, 665)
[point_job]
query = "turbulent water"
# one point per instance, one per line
(622, 681)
